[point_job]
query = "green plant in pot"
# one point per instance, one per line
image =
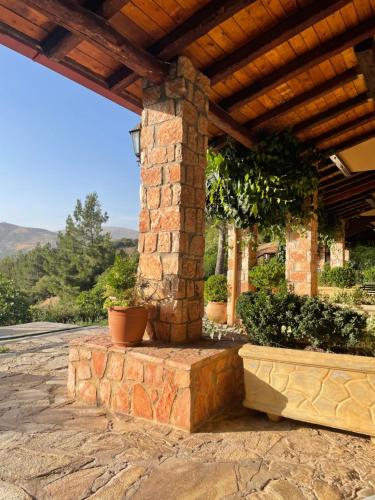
(125, 301)
(216, 294)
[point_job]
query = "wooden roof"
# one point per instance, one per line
(272, 63)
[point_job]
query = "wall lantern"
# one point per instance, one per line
(135, 134)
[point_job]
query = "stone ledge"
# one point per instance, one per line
(181, 386)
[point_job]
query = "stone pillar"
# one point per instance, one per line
(242, 254)
(337, 249)
(347, 255)
(171, 226)
(321, 258)
(301, 259)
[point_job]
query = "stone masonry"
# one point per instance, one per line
(301, 259)
(173, 162)
(337, 249)
(246, 259)
(180, 387)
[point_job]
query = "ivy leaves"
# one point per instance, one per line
(266, 186)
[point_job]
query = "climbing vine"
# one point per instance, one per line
(267, 185)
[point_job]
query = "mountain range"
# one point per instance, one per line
(15, 238)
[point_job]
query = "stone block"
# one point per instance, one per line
(178, 387)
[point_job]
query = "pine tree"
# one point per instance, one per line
(83, 250)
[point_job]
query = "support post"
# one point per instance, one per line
(337, 249)
(301, 267)
(241, 258)
(171, 227)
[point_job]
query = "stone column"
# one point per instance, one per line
(301, 259)
(337, 249)
(171, 227)
(321, 257)
(242, 254)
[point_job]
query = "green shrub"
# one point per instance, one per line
(121, 276)
(90, 305)
(369, 274)
(324, 276)
(209, 264)
(342, 277)
(268, 275)
(57, 311)
(14, 307)
(288, 320)
(216, 289)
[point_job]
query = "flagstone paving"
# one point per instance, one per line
(52, 448)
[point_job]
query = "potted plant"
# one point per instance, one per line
(127, 317)
(216, 294)
(303, 361)
(125, 301)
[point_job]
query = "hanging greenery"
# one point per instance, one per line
(267, 185)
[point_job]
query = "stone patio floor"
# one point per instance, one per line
(52, 448)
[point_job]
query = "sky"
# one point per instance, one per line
(58, 142)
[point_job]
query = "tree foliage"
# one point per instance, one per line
(14, 307)
(84, 250)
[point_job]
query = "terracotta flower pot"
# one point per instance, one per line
(217, 312)
(127, 324)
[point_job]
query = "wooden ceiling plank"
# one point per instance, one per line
(196, 26)
(354, 141)
(353, 181)
(227, 124)
(95, 29)
(345, 127)
(61, 41)
(301, 64)
(350, 193)
(283, 31)
(331, 113)
(305, 98)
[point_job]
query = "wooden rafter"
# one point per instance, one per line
(301, 64)
(331, 113)
(30, 48)
(327, 177)
(345, 183)
(89, 26)
(345, 194)
(305, 98)
(345, 127)
(172, 44)
(61, 41)
(354, 141)
(353, 212)
(277, 35)
(365, 53)
(225, 122)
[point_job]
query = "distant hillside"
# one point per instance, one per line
(121, 232)
(15, 239)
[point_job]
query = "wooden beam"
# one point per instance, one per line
(275, 36)
(227, 124)
(352, 213)
(331, 113)
(345, 194)
(345, 127)
(197, 25)
(93, 28)
(61, 41)
(350, 143)
(353, 181)
(16, 40)
(327, 177)
(365, 53)
(301, 64)
(305, 98)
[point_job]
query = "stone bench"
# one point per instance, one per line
(181, 386)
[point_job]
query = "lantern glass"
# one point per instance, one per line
(136, 140)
